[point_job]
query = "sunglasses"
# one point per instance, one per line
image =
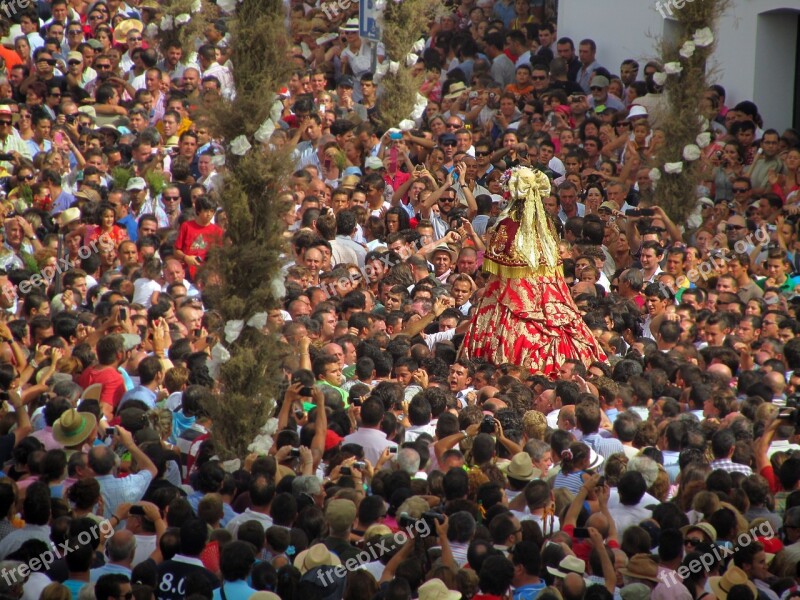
(49, 61)
(448, 143)
(75, 32)
(453, 125)
(740, 190)
(55, 94)
(624, 124)
(596, 88)
(477, 153)
(135, 39)
(539, 78)
(447, 200)
(28, 177)
(102, 67)
(171, 198)
(4, 122)
(96, 18)
(692, 541)
(733, 227)
(74, 62)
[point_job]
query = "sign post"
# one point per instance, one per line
(369, 27)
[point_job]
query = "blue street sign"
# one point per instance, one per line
(368, 14)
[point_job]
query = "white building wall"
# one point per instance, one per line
(752, 33)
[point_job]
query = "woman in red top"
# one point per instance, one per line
(196, 237)
(106, 231)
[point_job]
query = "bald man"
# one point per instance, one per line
(120, 550)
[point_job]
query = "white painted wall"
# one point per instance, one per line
(753, 33)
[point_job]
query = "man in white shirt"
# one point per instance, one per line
(261, 495)
(369, 435)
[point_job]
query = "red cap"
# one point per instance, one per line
(332, 439)
(771, 545)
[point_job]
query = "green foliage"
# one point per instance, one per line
(403, 24)
(120, 177)
(676, 193)
(249, 260)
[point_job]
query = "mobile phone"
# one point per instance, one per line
(197, 332)
(58, 137)
(392, 449)
(299, 414)
(786, 413)
(111, 431)
(305, 392)
(322, 109)
(393, 159)
(396, 136)
(199, 259)
(136, 510)
(459, 222)
(346, 471)
(360, 464)
(581, 533)
(4, 396)
(123, 314)
(356, 402)
(295, 453)
(522, 153)
(6, 156)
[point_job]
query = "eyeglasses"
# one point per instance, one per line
(692, 541)
(96, 18)
(55, 94)
(75, 32)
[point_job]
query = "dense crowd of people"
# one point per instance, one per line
(395, 468)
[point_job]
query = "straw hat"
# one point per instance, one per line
(73, 427)
(435, 589)
(642, 566)
(521, 468)
(569, 564)
(121, 31)
(720, 586)
(316, 556)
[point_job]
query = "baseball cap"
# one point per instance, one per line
(135, 183)
(447, 138)
(340, 514)
(74, 56)
(346, 81)
(599, 81)
(374, 163)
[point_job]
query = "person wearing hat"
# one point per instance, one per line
(435, 589)
(73, 430)
(641, 569)
(601, 97)
(340, 515)
(442, 257)
(345, 104)
(357, 55)
(9, 142)
(128, 32)
(78, 74)
(734, 575)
